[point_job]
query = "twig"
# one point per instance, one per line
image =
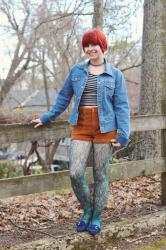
(153, 179)
(132, 66)
(143, 237)
(37, 231)
(117, 151)
(130, 145)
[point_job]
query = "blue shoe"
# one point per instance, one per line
(81, 226)
(93, 229)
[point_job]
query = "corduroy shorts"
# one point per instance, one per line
(88, 129)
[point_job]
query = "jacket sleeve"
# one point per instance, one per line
(122, 110)
(62, 101)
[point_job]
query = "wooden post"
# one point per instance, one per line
(163, 153)
(162, 77)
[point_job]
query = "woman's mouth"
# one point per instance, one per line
(92, 52)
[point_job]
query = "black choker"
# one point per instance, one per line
(96, 65)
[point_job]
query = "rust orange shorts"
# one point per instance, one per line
(87, 128)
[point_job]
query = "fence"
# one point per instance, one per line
(15, 133)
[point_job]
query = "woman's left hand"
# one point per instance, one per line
(115, 144)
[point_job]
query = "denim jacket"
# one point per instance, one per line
(112, 100)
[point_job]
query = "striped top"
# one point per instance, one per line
(89, 96)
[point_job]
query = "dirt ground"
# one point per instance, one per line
(152, 240)
(53, 214)
(155, 239)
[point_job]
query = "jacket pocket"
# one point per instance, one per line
(75, 78)
(109, 87)
(76, 83)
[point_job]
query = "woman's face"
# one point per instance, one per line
(93, 51)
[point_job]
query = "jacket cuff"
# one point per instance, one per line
(44, 119)
(122, 140)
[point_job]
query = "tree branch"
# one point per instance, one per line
(137, 83)
(62, 16)
(132, 66)
(128, 52)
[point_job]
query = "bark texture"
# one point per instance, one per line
(98, 14)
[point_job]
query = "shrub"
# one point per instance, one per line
(8, 169)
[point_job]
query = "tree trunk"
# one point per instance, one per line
(98, 14)
(45, 80)
(13, 75)
(153, 78)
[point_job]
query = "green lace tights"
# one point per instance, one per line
(78, 159)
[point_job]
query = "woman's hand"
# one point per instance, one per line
(37, 123)
(116, 145)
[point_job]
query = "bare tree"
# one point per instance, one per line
(45, 79)
(23, 50)
(123, 52)
(60, 26)
(98, 19)
(27, 32)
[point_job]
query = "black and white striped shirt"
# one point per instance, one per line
(89, 96)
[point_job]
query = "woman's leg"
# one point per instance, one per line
(79, 153)
(102, 154)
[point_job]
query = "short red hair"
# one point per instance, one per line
(95, 37)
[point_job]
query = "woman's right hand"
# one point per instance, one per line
(37, 123)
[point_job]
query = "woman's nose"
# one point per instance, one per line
(90, 46)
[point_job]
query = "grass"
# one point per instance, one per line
(159, 245)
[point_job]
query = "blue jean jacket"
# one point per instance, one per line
(112, 100)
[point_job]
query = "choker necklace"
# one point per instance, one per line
(96, 65)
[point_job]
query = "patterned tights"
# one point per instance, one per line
(78, 159)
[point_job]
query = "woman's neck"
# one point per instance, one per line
(98, 61)
(96, 70)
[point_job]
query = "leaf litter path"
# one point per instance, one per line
(55, 212)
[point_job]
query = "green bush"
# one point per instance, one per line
(8, 169)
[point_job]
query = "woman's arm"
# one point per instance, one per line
(62, 101)
(122, 110)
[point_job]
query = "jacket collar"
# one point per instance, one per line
(107, 68)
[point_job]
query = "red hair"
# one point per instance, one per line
(95, 37)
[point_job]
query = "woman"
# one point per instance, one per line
(100, 119)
